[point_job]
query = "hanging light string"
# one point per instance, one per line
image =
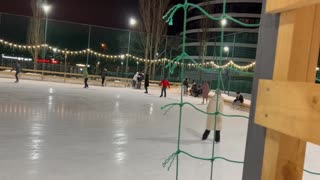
(123, 56)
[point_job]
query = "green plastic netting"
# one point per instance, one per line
(183, 58)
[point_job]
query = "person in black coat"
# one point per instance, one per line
(16, 67)
(185, 86)
(146, 83)
(239, 99)
(103, 76)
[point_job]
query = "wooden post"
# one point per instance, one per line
(296, 60)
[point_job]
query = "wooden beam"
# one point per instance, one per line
(282, 165)
(284, 155)
(292, 108)
(277, 6)
(298, 45)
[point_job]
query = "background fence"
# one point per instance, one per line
(75, 37)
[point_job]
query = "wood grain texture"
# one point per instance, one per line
(292, 108)
(277, 6)
(296, 59)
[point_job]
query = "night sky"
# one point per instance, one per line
(109, 13)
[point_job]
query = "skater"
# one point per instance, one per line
(146, 83)
(165, 84)
(239, 100)
(16, 67)
(214, 120)
(103, 76)
(205, 91)
(139, 80)
(135, 80)
(85, 76)
(185, 86)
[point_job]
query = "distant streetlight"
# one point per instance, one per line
(226, 50)
(103, 45)
(317, 68)
(132, 23)
(46, 8)
(224, 22)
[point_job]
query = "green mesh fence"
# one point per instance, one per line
(183, 58)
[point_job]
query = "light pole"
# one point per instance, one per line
(224, 22)
(132, 23)
(137, 66)
(46, 8)
(122, 68)
(65, 64)
(54, 57)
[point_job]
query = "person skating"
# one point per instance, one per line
(103, 76)
(85, 76)
(146, 83)
(214, 120)
(139, 80)
(205, 91)
(239, 99)
(16, 67)
(165, 84)
(135, 80)
(185, 86)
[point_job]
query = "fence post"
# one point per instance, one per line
(65, 66)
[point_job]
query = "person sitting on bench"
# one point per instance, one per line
(195, 90)
(239, 99)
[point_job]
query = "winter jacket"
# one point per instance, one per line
(103, 74)
(16, 67)
(165, 83)
(186, 83)
(85, 73)
(205, 89)
(240, 98)
(211, 108)
(135, 77)
(146, 81)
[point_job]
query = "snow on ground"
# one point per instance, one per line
(61, 131)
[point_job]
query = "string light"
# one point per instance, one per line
(122, 56)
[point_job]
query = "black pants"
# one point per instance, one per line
(86, 83)
(146, 87)
(216, 136)
(17, 76)
(102, 83)
(164, 90)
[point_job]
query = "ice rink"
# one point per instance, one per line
(55, 131)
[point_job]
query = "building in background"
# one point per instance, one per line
(203, 34)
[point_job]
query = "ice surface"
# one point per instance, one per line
(61, 131)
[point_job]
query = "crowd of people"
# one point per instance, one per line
(216, 102)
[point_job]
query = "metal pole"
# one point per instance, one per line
(165, 56)
(45, 42)
(170, 63)
(89, 39)
(65, 66)
(126, 71)
(234, 44)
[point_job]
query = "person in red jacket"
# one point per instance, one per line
(165, 84)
